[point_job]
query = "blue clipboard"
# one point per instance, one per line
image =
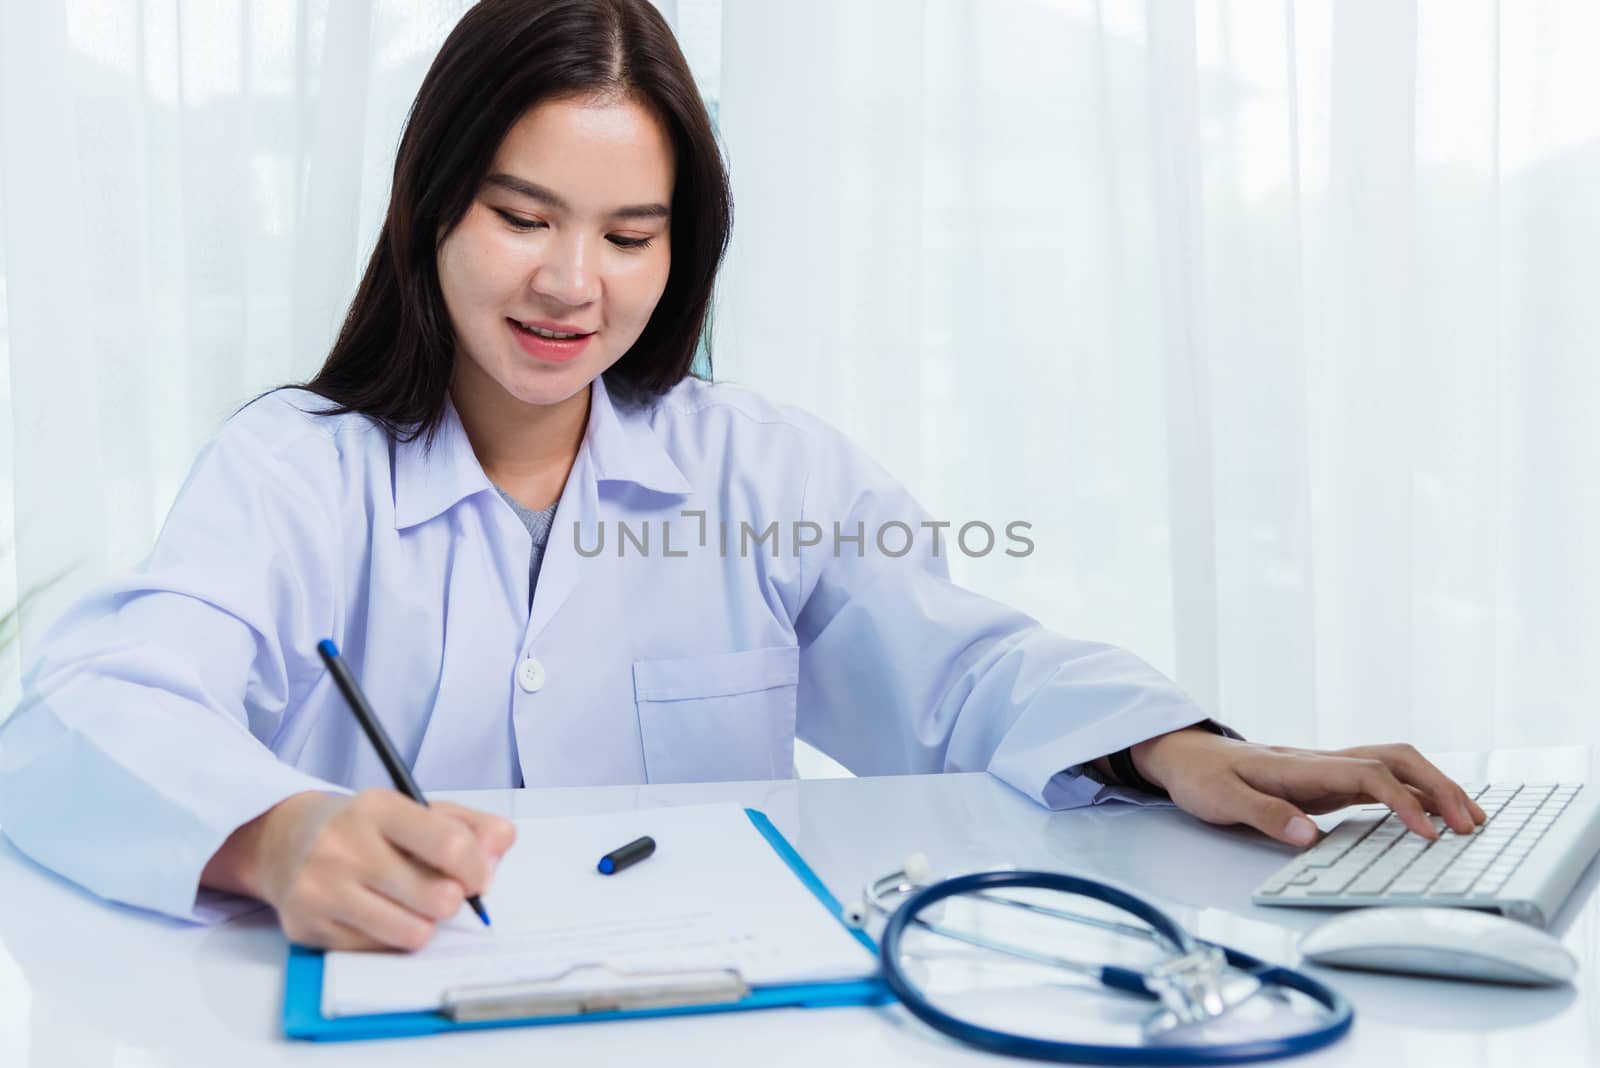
(302, 993)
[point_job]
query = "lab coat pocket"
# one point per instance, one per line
(715, 718)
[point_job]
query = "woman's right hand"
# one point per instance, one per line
(370, 871)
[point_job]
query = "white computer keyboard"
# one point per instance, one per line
(1522, 862)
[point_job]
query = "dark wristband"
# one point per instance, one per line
(1128, 775)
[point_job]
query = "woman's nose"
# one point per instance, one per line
(566, 275)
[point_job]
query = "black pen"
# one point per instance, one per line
(380, 741)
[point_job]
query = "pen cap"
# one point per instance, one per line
(623, 856)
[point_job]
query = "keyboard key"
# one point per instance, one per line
(1379, 876)
(1409, 849)
(1371, 884)
(1330, 882)
(1333, 845)
(1277, 882)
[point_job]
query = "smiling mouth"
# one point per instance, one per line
(549, 336)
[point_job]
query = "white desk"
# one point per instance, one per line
(84, 984)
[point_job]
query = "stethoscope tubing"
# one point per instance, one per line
(1340, 1013)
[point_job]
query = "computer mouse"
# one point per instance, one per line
(1454, 942)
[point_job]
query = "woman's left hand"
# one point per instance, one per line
(1272, 787)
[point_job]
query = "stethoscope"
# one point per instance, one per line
(1197, 982)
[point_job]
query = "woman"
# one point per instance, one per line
(717, 580)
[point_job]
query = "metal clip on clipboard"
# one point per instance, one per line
(588, 988)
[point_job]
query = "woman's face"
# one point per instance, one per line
(570, 231)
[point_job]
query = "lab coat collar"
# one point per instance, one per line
(621, 443)
(625, 447)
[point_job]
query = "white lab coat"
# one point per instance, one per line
(181, 699)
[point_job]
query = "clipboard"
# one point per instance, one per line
(523, 1005)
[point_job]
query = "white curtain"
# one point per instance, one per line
(1272, 319)
(1276, 320)
(189, 190)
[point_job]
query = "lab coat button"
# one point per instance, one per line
(530, 675)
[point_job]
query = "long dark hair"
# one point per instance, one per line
(394, 355)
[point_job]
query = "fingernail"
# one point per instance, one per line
(1300, 831)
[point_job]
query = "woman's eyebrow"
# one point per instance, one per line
(540, 193)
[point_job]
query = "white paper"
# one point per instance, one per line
(714, 895)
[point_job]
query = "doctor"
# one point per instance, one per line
(556, 561)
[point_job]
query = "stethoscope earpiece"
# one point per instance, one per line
(916, 873)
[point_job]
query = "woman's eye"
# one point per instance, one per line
(516, 222)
